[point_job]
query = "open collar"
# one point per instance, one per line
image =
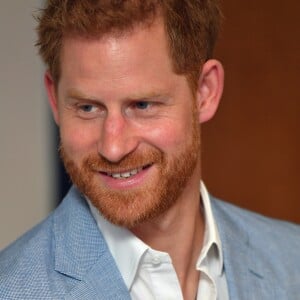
(211, 234)
(128, 250)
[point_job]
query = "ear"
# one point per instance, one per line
(210, 89)
(52, 95)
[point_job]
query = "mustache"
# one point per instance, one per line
(134, 160)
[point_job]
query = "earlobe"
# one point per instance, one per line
(52, 97)
(210, 89)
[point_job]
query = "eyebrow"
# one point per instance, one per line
(76, 94)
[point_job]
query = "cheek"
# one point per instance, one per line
(170, 136)
(78, 139)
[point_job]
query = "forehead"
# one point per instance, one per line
(115, 59)
(144, 42)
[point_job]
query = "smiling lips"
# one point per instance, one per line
(127, 174)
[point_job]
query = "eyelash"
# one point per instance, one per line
(140, 105)
(88, 110)
(135, 109)
(84, 106)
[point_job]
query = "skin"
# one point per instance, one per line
(99, 106)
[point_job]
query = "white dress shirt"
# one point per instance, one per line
(149, 274)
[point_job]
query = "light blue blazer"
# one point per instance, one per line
(66, 257)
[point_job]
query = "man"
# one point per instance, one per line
(129, 82)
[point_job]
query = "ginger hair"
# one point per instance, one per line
(191, 27)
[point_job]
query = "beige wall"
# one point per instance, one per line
(25, 167)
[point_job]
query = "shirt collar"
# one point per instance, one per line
(212, 246)
(127, 250)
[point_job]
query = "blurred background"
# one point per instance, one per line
(26, 141)
(250, 150)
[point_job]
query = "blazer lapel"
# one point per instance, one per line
(102, 282)
(244, 274)
(81, 252)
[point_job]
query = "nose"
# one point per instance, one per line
(117, 138)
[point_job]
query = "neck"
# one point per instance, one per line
(179, 232)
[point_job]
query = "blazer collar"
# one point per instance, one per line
(81, 252)
(246, 275)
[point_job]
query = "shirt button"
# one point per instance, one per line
(156, 261)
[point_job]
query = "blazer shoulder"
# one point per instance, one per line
(281, 236)
(255, 222)
(27, 266)
(64, 257)
(258, 251)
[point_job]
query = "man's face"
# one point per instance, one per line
(128, 124)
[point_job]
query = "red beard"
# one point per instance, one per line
(134, 206)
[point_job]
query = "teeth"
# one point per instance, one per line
(133, 172)
(125, 174)
(116, 175)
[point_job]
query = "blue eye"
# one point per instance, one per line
(87, 107)
(142, 104)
